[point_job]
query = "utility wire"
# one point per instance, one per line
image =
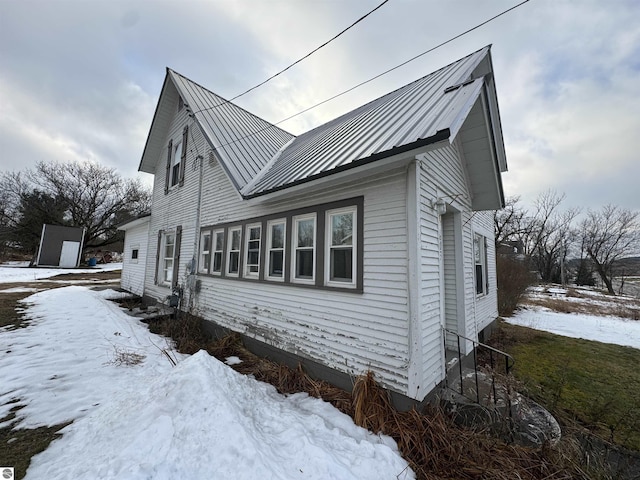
(297, 61)
(375, 77)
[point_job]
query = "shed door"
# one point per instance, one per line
(69, 254)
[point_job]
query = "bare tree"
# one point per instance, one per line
(95, 197)
(510, 223)
(551, 235)
(607, 235)
(545, 236)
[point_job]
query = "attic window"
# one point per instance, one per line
(180, 103)
(175, 164)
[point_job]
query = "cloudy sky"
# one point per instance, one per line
(79, 79)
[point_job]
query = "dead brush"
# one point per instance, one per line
(126, 357)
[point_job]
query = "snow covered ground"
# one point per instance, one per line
(151, 420)
(606, 329)
(20, 272)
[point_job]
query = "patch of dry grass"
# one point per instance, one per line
(18, 446)
(580, 301)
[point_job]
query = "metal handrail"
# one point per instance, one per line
(509, 362)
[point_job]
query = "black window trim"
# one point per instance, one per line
(288, 215)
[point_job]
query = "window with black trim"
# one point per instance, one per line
(134, 255)
(175, 164)
(319, 247)
(167, 256)
(205, 252)
(233, 255)
(340, 257)
(480, 258)
(253, 236)
(304, 248)
(275, 261)
(218, 251)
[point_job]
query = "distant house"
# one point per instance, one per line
(60, 246)
(348, 248)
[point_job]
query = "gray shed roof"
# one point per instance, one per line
(261, 158)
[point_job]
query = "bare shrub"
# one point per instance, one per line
(513, 279)
(126, 357)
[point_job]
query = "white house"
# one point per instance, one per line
(134, 255)
(348, 248)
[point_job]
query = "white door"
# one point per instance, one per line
(69, 254)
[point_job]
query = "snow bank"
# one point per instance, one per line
(614, 330)
(205, 421)
(65, 361)
(18, 273)
(199, 420)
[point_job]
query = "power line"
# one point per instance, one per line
(297, 61)
(374, 77)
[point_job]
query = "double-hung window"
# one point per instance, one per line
(276, 232)
(233, 255)
(205, 252)
(304, 249)
(340, 254)
(167, 259)
(175, 164)
(480, 257)
(253, 236)
(218, 251)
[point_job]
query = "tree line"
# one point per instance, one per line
(551, 237)
(78, 194)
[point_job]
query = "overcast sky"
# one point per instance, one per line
(79, 79)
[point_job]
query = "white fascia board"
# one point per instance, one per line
(134, 223)
(472, 91)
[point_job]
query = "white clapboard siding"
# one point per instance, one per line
(350, 332)
(486, 305)
(133, 270)
(178, 206)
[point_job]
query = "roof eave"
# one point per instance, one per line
(439, 136)
(148, 159)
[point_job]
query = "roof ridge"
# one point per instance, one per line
(397, 89)
(225, 102)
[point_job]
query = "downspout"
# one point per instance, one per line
(192, 283)
(196, 237)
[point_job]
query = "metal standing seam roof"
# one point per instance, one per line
(244, 142)
(259, 157)
(419, 113)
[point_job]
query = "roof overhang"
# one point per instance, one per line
(135, 222)
(353, 171)
(167, 104)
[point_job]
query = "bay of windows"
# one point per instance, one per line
(319, 246)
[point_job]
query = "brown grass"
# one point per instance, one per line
(18, 446)
(97, 275)
(607, 305)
